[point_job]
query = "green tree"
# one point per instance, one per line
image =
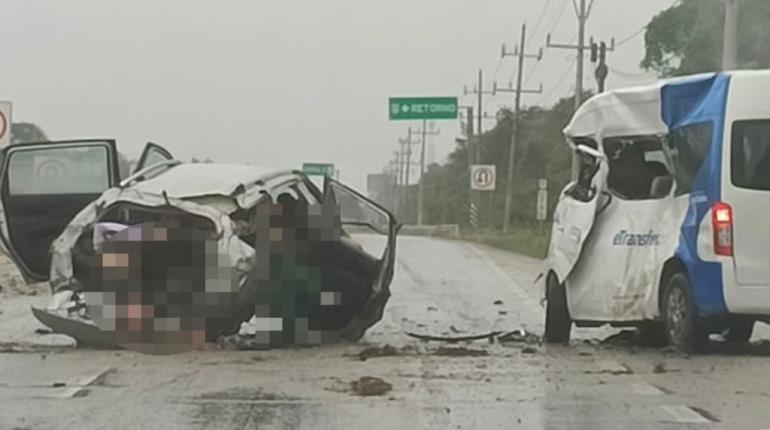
(687, 38)
(22, 132)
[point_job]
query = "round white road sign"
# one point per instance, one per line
(483, 177)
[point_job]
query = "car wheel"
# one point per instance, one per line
(739, 329)
(683, 326)
(558, 323)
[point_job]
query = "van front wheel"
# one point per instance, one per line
(558, 323)
(683, 326)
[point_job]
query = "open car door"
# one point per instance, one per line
(42, 187)
(152, 154)
(576, 211)
(360, 216)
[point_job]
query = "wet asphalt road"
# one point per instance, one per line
(441, 288)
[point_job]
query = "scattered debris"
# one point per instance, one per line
(377, 351)
(529, 350)
(460, 352)
(498, 302)
(453, 339)
(625, 337)
(370, 386)
(241, 342)
(519, 336)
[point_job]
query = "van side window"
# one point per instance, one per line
(750, 154)
(638, 168)
(689, 146)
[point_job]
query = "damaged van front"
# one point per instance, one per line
(657, 231)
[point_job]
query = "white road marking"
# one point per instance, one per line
(646, 389)
(74, 388)
(516, 288)
(685, 414)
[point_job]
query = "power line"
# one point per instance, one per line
(638, 32)
(558, 84)
(540, 20)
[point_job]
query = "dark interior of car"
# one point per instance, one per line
(34, 222)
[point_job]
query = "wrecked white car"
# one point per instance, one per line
(241, 246)
(661, 228)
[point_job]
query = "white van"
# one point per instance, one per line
(667, 225)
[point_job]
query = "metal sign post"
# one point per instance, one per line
(5, 124)
(542, 201)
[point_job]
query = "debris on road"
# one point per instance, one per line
(520, 336)
(460, 352)
(529, 350)
(377, 351)
(370, 386)
(454, 339)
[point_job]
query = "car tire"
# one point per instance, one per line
(558, 323)
(684, 328)
(739, 329)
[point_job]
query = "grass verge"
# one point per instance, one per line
(529, 240)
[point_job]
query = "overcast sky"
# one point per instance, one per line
(276, 83)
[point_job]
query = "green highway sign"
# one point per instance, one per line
(412, 108)
(318, 169)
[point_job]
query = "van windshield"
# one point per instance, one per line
(750, 158)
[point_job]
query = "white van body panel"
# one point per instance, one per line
(619, 273)
(747, 277)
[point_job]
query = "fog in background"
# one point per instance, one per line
(278, 83)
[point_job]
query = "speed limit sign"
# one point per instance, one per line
(483, 177)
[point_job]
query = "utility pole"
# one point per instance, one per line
(406, 163)
(421, 185)
(599, 53)
(730, 41)
(582, 13)
(479, 90)
(519, 52)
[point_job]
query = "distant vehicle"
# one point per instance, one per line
(665, 226)
(58, 198)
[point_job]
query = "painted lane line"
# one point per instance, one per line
(516, 288)
(646, 389)
(685, 414)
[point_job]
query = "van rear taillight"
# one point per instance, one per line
(722, 224)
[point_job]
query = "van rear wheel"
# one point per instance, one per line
(558, 323)
(684, 328)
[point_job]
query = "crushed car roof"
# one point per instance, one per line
(204, 179)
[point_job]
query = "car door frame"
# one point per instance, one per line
(5, 239)
(574, 218)
(374, 307)
(149, 147)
